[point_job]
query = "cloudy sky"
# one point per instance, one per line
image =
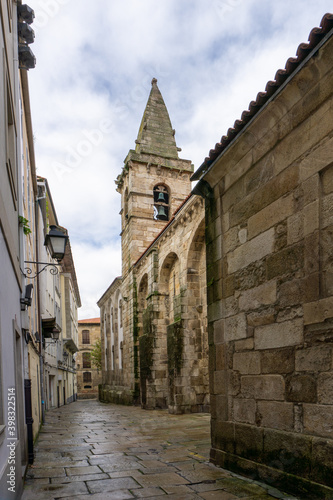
(95, 62)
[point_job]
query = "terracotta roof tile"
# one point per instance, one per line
(303, 50)
(90, 321)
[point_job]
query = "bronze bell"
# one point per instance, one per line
(161, 197)
(161, 211)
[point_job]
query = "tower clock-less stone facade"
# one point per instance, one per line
(153, 325)
(153, 164)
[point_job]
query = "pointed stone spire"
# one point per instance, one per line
(156, 135)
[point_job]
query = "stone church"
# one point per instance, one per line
(153, 317)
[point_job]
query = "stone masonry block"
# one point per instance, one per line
(265, 195)
(230, 306)
(263, 387)
(219, 407)
(249, 441)
(314, 359)
(244, 345)
(271, 215)
(295, 228)
(276, 415)
(311, 253)
(278, 361)
(310, 188)
(223, 435)
(220, 350)
(311, 218)
(256, 297)
(301, 389)
(287, 261)
(327, 181)
(290, 293)
(322, 461)
(318, 311)
(288, 451)
(247, 363)
(251, 251)
(230, 240)
(218, 329)
(317, 420)
(215, 311)
(279, 335)
(327, 211)
(325, 388)
(261, 317)
(220, 382)
(245, 410)
(235, 327)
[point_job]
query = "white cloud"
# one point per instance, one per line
(95, 61)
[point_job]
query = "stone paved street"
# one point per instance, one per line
(92, 450)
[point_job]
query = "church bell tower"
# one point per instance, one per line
(153, 183)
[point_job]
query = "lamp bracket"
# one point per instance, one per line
(28, 270)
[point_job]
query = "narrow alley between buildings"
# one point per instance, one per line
(102, 451)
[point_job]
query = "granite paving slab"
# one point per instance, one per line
(93, 451)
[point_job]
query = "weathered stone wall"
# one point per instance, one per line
(171, 282)
(167, 286)
(270, 294)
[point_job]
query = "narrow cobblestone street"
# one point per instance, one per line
(117, 452)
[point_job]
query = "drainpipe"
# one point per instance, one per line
(41, 359)
(29, 420)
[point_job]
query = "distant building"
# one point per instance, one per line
(88, 376)
(153, 318)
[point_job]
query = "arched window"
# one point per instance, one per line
(161, 202)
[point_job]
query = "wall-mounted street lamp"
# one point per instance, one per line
(55, 334)
(55, 241)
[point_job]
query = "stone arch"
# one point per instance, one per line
(118, 329)
(112, 330)
(143, 337)
(196, 271)
(197, 318)
(142, 296)
(169, 285)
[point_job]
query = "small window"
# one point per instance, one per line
(161, 203)
(86, 377)
(86, 360)
(85, 337)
